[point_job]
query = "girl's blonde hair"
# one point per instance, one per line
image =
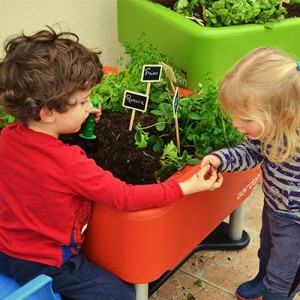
(264, 86)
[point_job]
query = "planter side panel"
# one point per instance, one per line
(196, 50)
(140, 246)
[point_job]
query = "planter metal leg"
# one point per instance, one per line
(236, 221)
(142, 290)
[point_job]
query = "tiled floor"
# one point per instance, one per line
(214, 275)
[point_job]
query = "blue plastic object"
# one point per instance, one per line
(38, 288)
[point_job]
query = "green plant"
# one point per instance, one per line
(171, 160)
(198, 282)
(202, 125)
(111, 90)
(232, 12)
(218, 13)
(187, 8)
(190, 296)
(5, 119)
(143, 138)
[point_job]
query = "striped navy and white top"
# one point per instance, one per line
(281, 181)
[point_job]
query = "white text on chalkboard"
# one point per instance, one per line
(135, 101)
(151, 73)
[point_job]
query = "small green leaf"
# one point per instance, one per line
(158, 147)
(198, 282)
(194, 116)
(160, 126)
(193, 161)
(190, 296)
(157, 112)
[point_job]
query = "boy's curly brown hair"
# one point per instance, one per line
(44, 70)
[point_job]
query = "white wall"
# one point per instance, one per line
(94, 21)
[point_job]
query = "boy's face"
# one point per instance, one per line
(71, 120)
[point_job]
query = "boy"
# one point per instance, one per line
(45, 185)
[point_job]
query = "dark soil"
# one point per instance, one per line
(293, 10)
(114, 149)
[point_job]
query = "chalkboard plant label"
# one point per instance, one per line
(136, 101)
(151, 73)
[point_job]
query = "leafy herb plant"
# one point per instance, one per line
(218, 13)
(231, 12)
(172, 161)
(111, 90)
(202, 125)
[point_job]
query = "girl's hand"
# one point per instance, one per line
(97, 112)
(211, 160)
(205, 179)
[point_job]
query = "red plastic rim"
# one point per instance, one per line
(241, 298)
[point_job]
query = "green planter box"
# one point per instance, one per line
(197, 50)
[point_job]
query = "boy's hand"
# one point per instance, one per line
(98, 113)
(205, 179)
(209, 178)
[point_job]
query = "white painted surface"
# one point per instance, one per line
(94, 21)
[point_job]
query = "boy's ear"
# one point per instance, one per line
(47, 115)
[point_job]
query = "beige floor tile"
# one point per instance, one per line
(254, 205)
(225, 269)
(182, 286)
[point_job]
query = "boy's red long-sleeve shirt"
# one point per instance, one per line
(44, 190)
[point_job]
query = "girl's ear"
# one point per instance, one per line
(47, 115)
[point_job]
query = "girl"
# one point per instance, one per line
(262, 94)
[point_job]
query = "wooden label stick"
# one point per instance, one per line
(148, 88)
(175, 109)
(131, 120)
(177, 134)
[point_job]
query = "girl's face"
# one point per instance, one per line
(71, 120)
(248, 127)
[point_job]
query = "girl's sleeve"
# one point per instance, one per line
(91, 181)
(243, 157)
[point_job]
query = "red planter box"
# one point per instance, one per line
(140, 246)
